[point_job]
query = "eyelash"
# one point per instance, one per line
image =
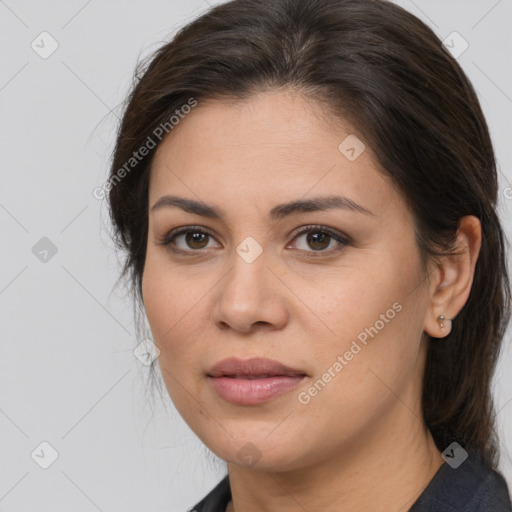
(344, 240)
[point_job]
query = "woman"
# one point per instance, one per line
(306, 193)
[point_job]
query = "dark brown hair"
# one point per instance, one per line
(377, 66)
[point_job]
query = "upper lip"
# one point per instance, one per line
(233, 366)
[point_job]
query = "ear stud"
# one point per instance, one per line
(441, 320)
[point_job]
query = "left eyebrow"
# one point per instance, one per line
(277, 213)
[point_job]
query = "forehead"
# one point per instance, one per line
(270, 148)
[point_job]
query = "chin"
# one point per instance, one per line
(259, 452)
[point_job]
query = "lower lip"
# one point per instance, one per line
(254, 391)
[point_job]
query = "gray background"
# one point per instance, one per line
(68, 375)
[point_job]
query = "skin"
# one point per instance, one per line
(361, 442)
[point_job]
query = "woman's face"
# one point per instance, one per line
(348, 315)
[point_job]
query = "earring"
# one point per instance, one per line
(441, 319)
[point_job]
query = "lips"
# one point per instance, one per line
(253, 381)
(255, 368)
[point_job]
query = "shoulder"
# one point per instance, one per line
(471, 487)
(216, 500)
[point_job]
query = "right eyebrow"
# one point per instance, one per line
(277, 213)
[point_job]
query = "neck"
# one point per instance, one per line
(386, 469)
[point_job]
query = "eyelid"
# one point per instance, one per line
(342, 239)
(165, 240)
(319, 227)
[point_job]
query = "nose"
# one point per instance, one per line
(250, 296)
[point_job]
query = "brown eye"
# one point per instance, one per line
(319, 239)
(196, 240)
(193, 240)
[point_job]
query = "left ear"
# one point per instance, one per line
(450, 289)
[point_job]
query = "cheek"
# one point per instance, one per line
(173, 304)
(354, 300)
(358, 381)
(155, 293)
(166, 308)
(372, 321)
(163, 300)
